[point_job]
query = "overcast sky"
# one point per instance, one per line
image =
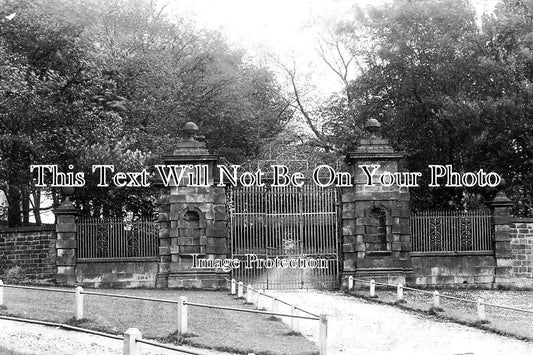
(286, 29)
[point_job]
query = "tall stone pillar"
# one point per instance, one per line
(66, 243)
(375, 217)
(192, 219)
(501, 219)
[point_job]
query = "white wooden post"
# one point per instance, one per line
(260, 299)
(182, 315)
(436, 299)
(240, 290)
(323, 335)
(1, 293)
(372, 288)
(275, 305)
(295, 324)
(249, 294)
(78, 303)
(350, 283)
(233, 284)
(481, 314)
(131, 347)
(399, 294)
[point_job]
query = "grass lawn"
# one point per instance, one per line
(502, 321)
(211, 328)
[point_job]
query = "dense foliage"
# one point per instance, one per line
(449, 87)
(113, 82)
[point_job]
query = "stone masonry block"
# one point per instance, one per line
(164, 233)
(348, 248)
(221, 233)
(216, 249)
(65, 244)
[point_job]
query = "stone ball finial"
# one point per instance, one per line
(66, 205)
(67, 191)
(190, 129)
(373, 127)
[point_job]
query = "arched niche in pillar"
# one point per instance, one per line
(191, 231)
(378, 229)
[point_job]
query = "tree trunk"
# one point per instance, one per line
(37, 206)
(25, 197)
(13, 211)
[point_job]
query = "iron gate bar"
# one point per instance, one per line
(285, 222)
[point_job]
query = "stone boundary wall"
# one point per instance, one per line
(522, 247)
(451, 269)
(117, 273)
(28, 254)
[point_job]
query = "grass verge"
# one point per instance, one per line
(236, 332)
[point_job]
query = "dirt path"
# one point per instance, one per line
(24, 338)
(359, 327)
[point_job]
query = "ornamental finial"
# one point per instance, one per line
(190, 129)
(373, 127)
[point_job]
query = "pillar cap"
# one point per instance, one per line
(190, 129)
(373, 126)
(501, 200)
(190, 146)
(66, 206)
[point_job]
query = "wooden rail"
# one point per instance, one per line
(479, 302)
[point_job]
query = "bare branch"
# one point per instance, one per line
(291, 73)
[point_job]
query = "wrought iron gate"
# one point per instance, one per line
(285, 238)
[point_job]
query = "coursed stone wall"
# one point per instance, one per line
(28, 254)
(453, 269)
(522, 247)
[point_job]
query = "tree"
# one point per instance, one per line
(43, 80)
(447, 92)
(114, 82)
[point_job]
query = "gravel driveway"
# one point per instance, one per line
(24, 338)
(356, 326)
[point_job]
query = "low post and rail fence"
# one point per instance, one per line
(133, 336)
(131, 339)
(436, 297)
(259, 298)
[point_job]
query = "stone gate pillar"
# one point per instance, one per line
(375, 219)
(192, 219)
(66, 234)
(501, 220)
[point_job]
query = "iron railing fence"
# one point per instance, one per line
(112, 238)
(451, 231)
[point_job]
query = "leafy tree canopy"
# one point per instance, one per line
(448, 88)
(113, 82)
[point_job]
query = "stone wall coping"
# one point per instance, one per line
(449, 253)
(114, 260)
(522, 220)
(43, 228)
